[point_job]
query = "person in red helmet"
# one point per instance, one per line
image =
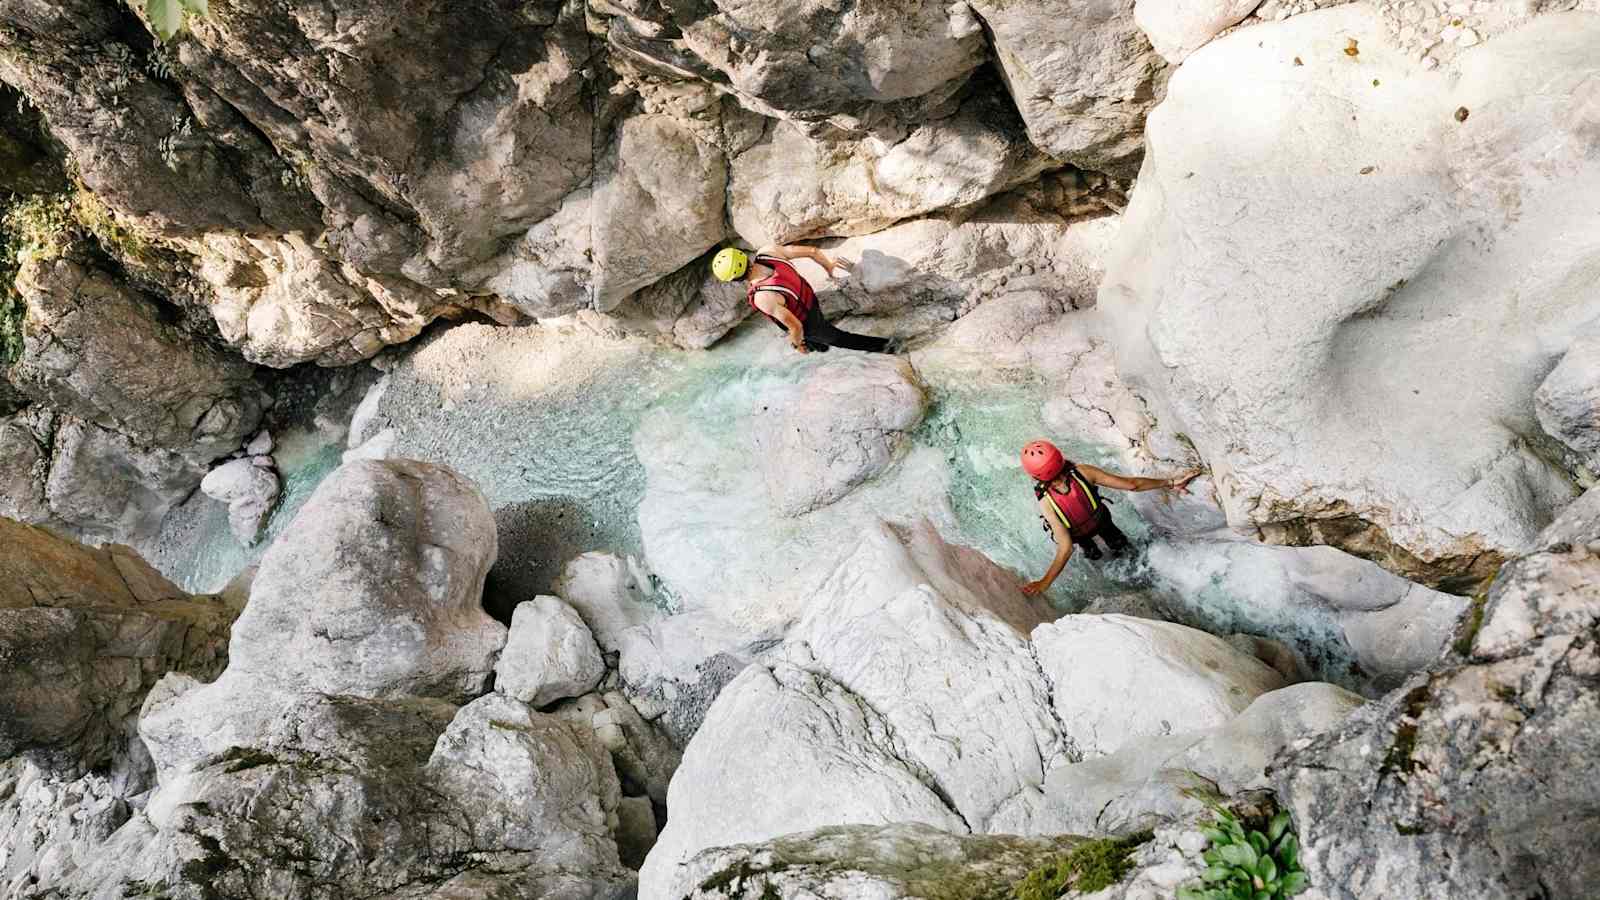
(1070, 503)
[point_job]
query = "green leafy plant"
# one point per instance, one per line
(1088, 867)
(1249, 864)
(167, 16)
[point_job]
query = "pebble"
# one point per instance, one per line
(1192, 842)
(261, 462)
(1468, 38)
(1430, 63)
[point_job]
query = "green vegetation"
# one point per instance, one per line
(168, 16)
(28, 226)
(1091, 866)
(1474, 622)
(1247, 863)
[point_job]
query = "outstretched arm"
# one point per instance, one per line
(1179, 483)
(801, 251)
(771, 303)
(1063, 552)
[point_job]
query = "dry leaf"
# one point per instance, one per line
(1461, 114)
(1350, 48)
(1368, 170)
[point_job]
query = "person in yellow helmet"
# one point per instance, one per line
(778, 291)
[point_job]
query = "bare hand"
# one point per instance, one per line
(834, 265)
(1180, 484)
(800, 346)
(1034, 588)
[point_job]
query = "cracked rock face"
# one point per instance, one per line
(1466, 782)
(1308, 332)
(910, 692)
(85, 633)
(96, 349)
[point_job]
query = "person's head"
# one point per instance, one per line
(730, 264)
(1043, 461)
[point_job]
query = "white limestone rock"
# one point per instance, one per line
(375, 588)
(783, 751)
(1177, 28)
(1304, 303)
(549, 656)
(844, 424)
(250, 490)
(1118, 680)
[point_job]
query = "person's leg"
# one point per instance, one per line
(821, 331)
(1116, 541)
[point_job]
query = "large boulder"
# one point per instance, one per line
(1469, 781)
(1346, 620)
(1301, 290)
(530, 784)
(1177, 28)
(1568, 401)
(791, 186)
(1166, 779)
(1083, 78)
(1119, 680)
(84, 635)
(809, 61)
(840, 764)
(375, 589)
(105, 487)
(549, 656)
(658, 204)
(837, 428)
(97, 350)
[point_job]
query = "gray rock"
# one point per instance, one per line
(636, 830)
(840, 426)
(791, 185)
(260, 445)
(658, 204)
(809, 62)
(250, 490)
(1083, 81)
(839, 759)
(25, 441)
(84, 634)
(105, 487)
(549, 656)
(855, 861)
(1568, 401)
(97, 350)
(1449, 786)
(1160, 780)
(529, 784)
(374, 589)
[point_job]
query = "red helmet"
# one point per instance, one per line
(1042, 460)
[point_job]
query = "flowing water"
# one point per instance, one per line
(545, 421)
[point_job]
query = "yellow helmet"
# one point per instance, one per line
(729, 263)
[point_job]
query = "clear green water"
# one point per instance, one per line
(559, 463)
(207, 564)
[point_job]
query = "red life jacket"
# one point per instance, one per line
(786, 280)
(1079, 507)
